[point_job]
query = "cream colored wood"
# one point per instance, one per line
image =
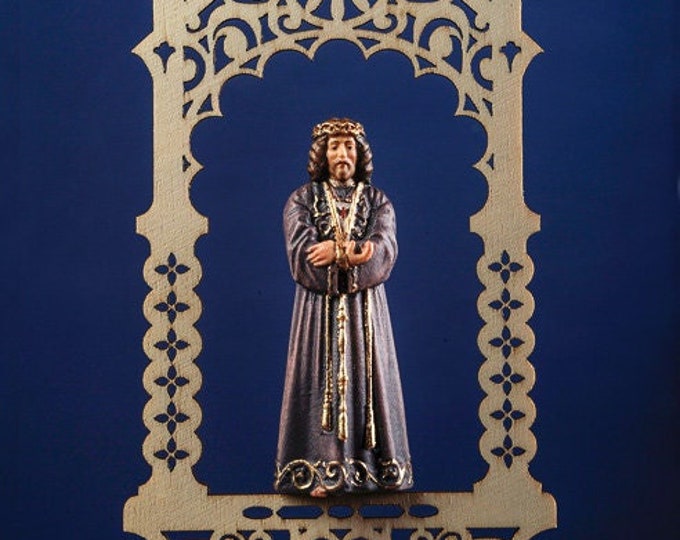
(183, 55)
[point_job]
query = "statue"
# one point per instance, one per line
(343, 425)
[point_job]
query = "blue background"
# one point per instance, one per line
(601, 167)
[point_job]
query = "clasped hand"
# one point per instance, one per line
(324, 253)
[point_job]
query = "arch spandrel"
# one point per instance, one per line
(196, 47)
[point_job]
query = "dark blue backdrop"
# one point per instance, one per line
(601, 168)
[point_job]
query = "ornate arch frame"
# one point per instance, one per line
(195, 48)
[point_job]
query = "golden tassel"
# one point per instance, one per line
(370, 438)
(342, 369)
(326, 411)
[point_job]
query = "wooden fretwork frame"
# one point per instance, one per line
(195, 48)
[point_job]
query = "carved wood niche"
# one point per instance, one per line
(195, 48)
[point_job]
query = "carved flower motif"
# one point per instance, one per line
(507, 415)
(505, 267)
(171, 306)
(506, 342)
(506, 304)
(507, 377)
(172, 381)
(171, 454)
(171, 418)
(172, 268)
(171, 345)
(508, 451)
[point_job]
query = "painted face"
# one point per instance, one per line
(342, 157)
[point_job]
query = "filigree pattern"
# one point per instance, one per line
(196, 47)
(231, 37)
(172, 368)
(507, 341)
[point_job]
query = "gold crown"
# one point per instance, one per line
(335, 127)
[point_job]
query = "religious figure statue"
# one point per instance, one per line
(343, 426)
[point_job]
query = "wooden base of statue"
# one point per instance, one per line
(507, 503)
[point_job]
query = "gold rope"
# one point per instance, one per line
(343, 231)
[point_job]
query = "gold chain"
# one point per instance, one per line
(343, 228)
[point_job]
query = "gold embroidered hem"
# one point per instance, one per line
(302, 476)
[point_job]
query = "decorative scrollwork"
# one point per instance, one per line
(438, 36)
(195, 48)
(303, 475)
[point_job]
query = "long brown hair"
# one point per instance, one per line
(317, 166)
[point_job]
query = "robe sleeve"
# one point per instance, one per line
(300, 234)
(383, 234)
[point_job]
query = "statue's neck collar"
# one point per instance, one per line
(347, 184)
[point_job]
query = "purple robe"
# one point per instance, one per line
(310, 455)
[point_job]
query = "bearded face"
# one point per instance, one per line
(341, 155)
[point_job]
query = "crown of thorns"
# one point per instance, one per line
(332, 128)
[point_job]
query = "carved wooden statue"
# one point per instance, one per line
(348, 433)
